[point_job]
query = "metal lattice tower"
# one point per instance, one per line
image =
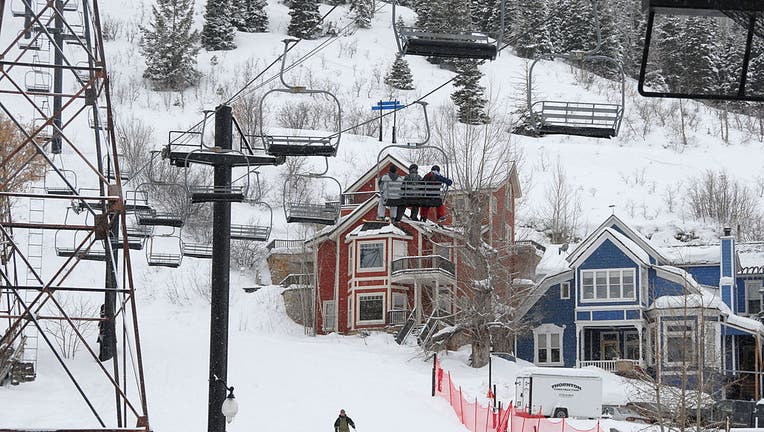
(55, 95)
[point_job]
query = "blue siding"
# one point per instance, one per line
(727, 256)
(584, 316)
(550, 309)
(607, 315)
(608, 256)
(705, 275)
(632, 314)
(740, 295)
(659, 287)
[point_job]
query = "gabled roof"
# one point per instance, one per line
(625, 244)
(541, 288)
(346, 220)
(372, 172)
(376, 229)
(614, 222)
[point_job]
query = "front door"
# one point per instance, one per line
(329, 317)
(609, 346)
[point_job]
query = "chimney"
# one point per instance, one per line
(728, 270)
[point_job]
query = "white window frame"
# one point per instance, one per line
(548, 330)
(350, 313)
(608, 272)
(757, 285)
(360, 298)
(396, 253)
(565, 285)
(691, 333)
(384, 254)
(351, 257)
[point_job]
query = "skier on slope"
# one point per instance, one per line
(343, 423)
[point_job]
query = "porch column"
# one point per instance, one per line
(418, 301)
(436, 309)
(578, 346)
(639, 335)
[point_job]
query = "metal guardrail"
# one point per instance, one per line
(397, 317)
(452, 35)
(578, 113)
(406, 329)
(297, 279)
(286, 244)
(423, 263)
(530, 243)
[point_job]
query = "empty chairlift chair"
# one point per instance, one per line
(578, 118)
(446, 43)
(744, 24)
(136, 201)
(301, 206)
(109, 167)
(197, 250)
(136, 236)
(80, 244)
(211, 193)
(61, 182)
(311, 143)
(22, 8)
(169, 214)
(97, 118)
(253, 232)
(164, 251)
(38, 81)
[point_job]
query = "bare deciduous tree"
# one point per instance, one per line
(561, 209)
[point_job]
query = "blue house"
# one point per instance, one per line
(676, 313)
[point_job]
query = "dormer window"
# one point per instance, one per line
(371, 256)
(610, 284)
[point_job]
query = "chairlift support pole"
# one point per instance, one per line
(221, 263)
(58, 77)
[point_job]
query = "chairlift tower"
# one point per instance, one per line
(59, 55)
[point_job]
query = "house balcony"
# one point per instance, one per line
(423, 269)
(615, 365)
(397, 317)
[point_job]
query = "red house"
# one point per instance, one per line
(372, 274)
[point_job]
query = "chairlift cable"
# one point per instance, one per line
(426, 95)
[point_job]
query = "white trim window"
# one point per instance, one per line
(609, 284)
(400, 301)
(371, 308)
(548, 345)
(371, 256)
(679, 343)
(329, 315)
(753, 296)
(565, 290)
(350, 258)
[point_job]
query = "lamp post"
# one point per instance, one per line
(229, 407)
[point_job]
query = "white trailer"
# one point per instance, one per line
(559, 392)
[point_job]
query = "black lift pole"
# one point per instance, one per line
(221, 263)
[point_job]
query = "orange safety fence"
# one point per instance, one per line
(479, 418)
(473, 415)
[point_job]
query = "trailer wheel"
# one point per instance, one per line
(561, 413)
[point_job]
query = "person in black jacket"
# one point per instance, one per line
(410, 183)
(343, 423)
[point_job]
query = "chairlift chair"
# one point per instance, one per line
(97, 204)
(64, 183)
(587, 119)
(66, 242)
(413, 193)
(71, 5)
(38, 81)
(162, 216)
(84, 73)
(253, 232)
(97, 118)
(136, 236)
(214, 193)
(156, 256)
(45, 133)
(22, 8)
(297, 210)
(124, 174)
(747, 16)
(136, 201)
(294, 145)
(197, 250)
(32, 42)
(446, 43)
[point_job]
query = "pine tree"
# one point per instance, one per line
(237, 14)
(699, 56)
(469, 95)
(169, 45)
(399, 76)
(218, 30)
(362, 12)
(306, 20)
(529, 28)
(253, 18)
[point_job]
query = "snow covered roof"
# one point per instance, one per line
(633, 236)
(344, 220)
(376, 229)
(693, 254)
(623, 242)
